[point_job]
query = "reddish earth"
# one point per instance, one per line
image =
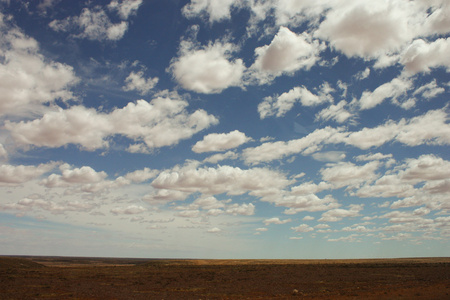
(111, 278)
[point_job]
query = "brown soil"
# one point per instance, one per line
(99, 278)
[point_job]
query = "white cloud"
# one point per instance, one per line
(430, 171)
(70, 176)
(162, 196)
(329, 156)
(129, 210)
(336, 112)
(300, 203)
(93, 24)
(139, 176)
(215, 230)
(431, 128)
(338, 214)
(348, 174)
(276, 221)
(420, 56)
(27, 78)
(125, 8)
(310, 188)
(213, 159)
(243, 209)
(136, 82)
(351, 238)
(369, 29)
(429, 90)
(220, 141)
(363, 74)
(376, 156)
(3, 152)
(209, 69)
(53, 207)
(15, 175)
(394, 89)
(216, 10)
(286, 54)
(275, 150)
(302, 228)
(280, 105)
(161, 122)
(426, 167)
(222, 179)
(387, 186)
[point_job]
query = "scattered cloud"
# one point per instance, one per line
(136, 82)
(286, 54)
(276, 221)
(208, 69)
(216, 142)
(11, 175)
(161, 122)
(27, 79)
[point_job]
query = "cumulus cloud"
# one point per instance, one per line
(93, 24)
(302, 228)
(213, 159)
(53, 207)
(276, 221)
(209, 69)
(129, 210)
(125, 8)
(329, 156)
(348, 174)
(220, 142)
(334, 112)
(213, 207)
(136, 82)
(363, 74)
(222, 179)
(161, 122)
(338, 214)
(426, 167)
(359, 28)
(214, 230)
(431, 128)
(15, 175)
(421, 56)
(394, 89)
(215, 10)
(429, 90)
(139, 176)
(310, 188)
(376, 156)
(70, 176)
(280, 105)
(419, 181)
(275, 150)
(27, 78)
(286, 54)
(301, 203)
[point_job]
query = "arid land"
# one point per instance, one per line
(123, 278)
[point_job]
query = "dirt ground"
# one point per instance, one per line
(102, 278)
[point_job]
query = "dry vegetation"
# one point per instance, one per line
(112, 278)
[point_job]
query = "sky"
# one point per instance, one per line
(225, 129)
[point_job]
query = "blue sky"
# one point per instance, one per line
(225, 129)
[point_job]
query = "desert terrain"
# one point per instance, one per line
(122, 278)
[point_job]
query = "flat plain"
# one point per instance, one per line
(35, 277)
